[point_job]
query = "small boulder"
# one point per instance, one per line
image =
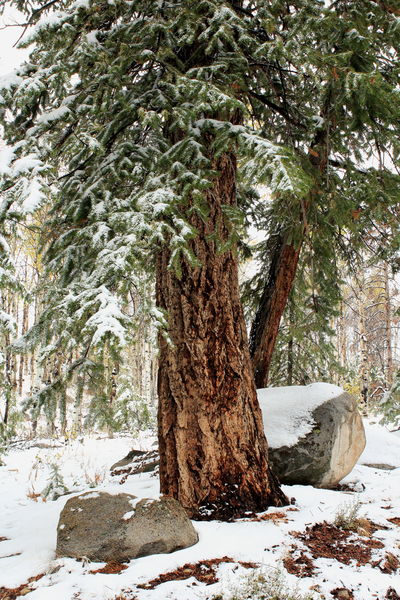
(136, 461)
(104, 527)
(315, 433)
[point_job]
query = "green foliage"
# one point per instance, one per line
(390, 405)
(351, 71)
(9, 430)
(131, 412)
(55, 486)
(10, 416)
(305, 351)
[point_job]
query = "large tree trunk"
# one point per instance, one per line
(265, 328)
(213, 451)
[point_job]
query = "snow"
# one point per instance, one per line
(91, 38)
(34, 196)
(26, 164)
(53, 115)
(128, 515)
(108, 320)
(10, 80)
(30, 524)
(6, 157)
(49, 19)
(80, 4)
(7, 322)
(29, 165)
(383, 446)
(287, 411)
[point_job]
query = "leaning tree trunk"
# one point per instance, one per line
(213, 451)
(264, 331)
(285, 257)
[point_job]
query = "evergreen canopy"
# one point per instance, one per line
(116, 119)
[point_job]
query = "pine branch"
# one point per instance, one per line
(275, 107)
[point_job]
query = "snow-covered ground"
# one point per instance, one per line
(29, 525)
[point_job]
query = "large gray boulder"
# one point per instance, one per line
(105, 527)
(320, 433)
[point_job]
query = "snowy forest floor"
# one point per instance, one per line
(297, 545)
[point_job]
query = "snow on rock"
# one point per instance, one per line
(287, 411)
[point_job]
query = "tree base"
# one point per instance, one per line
(231, 505)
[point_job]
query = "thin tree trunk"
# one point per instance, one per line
(8, 384)
(363, 356)
(14, 311)
(213, 451)
(264, 330)
(8, 390)
(342, 337)
(112, 396)
(388, 330)
(77, 410)
(22, 359)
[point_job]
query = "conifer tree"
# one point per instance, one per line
(10, 290)
(144, 125)
(352, 65)
(390, 405)
(130, 118)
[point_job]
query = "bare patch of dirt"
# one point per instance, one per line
(298, 563)
(395, 521)
(388, 564)
(35, 496)
(248, 565)
(22, 590)
(275, 517)
(366, 527)
(391, 594)
(3, 539)
(204, 571)
(111, 568)
(327, 541)
(342, 594)
(125, 595)
(344, 487)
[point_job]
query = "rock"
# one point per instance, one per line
(136, 461)
(383, 466)
(315, 434)
(104, 527)
(342, 594)
(329, 451)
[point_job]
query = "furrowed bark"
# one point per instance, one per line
(213, 451)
